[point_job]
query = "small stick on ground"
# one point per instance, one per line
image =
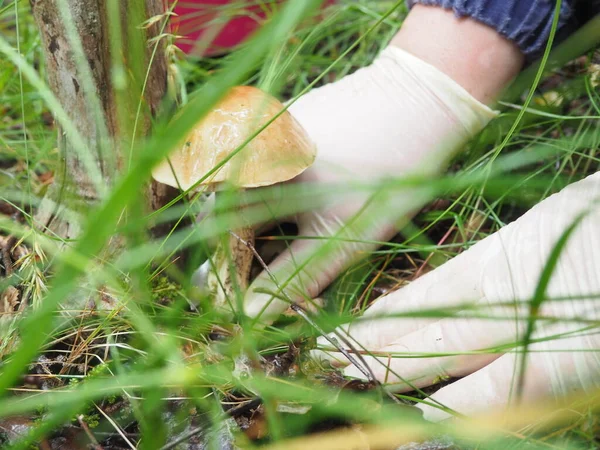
(88, 432)
(6, 256)
(365, 370)
(183, 438)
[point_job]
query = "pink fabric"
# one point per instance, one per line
(199, 18)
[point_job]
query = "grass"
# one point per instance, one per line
(157, 363)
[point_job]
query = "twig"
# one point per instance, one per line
(184, 437)
(116, 427)
(204, 428)
(89, 433)
(304, 314)
(6, 257)
(238, 410)
(440, 242)
(366, 370)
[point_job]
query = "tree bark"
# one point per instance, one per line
(73, 189)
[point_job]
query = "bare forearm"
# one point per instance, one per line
(474, 55)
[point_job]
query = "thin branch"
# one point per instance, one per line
(365, 370)
(88, 432)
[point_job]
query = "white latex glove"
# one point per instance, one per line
(397, 117)
(504, 267)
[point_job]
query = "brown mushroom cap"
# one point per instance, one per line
(280, 152)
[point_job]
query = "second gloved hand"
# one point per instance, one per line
(487, 293)
(395, 118)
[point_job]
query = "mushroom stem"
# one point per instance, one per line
(232, 262)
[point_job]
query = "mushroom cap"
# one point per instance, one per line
(280, 152)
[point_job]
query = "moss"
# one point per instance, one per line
(164, 287)
(91, 420)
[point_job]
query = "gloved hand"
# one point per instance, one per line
(499, 276)
(398, 117)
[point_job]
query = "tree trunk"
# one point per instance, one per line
(108, 132)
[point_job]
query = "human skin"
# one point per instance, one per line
(473, 54)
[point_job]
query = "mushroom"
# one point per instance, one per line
(280, 152)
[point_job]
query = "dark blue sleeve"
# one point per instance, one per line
(525, 22)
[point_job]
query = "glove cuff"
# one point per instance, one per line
(460, 105)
